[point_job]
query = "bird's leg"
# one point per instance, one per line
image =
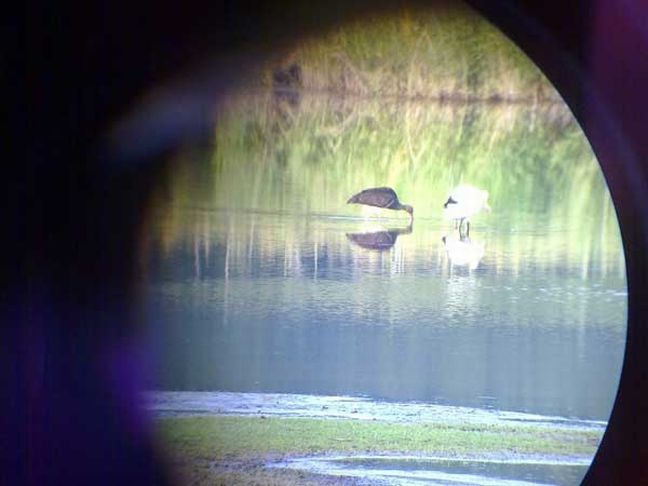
(468, 227)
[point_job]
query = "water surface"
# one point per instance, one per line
(281, 303)
(414, 471)
(260, 278)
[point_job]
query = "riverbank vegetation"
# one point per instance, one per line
(447, 53)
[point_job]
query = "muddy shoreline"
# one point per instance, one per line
(205, 434)
(174, 404)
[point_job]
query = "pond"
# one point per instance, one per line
(260, 278)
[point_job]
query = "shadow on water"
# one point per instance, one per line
(405, 471)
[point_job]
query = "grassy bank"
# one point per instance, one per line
(232, 450)
(448, 52)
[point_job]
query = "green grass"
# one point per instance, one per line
(218, 437)
(446, 52)
(232, 450)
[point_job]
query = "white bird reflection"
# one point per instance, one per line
(462, 251)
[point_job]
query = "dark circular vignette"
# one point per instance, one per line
(73, 209)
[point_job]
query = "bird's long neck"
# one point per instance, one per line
(409, 209)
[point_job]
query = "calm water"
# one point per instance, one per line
(259, 278)
(319, 314)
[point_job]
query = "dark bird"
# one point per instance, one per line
(378, 240)
(381, 197)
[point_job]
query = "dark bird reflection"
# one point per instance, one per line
(378, 240)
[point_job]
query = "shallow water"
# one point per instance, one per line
(413, 471)
(278, 303)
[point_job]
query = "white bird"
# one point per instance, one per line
(464, 202)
